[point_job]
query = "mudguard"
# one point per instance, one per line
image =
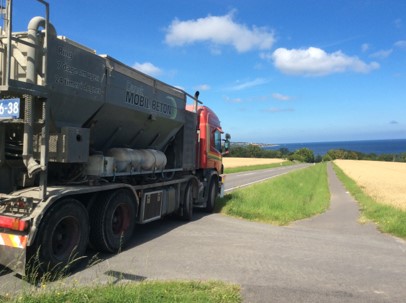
(13, 250)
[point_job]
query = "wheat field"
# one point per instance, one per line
(238, 162)
(383, 181)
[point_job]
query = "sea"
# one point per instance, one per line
(378, 147)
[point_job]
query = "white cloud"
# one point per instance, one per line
(180, 87)
(316, 62)
(219, 30)
(266, 55)
(249, 84)
(400, 44)
(281, 97)
(398, 23)
(232, 100)
(279, 110)
(365, 47)
(148, 68)
(385, 53)
(203, 87)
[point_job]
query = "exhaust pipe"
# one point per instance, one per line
(31, 77)
(33, 27)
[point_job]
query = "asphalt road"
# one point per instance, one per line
(328, 258)
(238, 180)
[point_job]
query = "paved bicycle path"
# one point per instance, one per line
(339, 259)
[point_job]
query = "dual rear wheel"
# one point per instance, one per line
(67, 228)
(112, 221)
(62, 239)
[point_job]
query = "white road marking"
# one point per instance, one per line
(257, 181)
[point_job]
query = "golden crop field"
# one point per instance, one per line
(384, 181)
(238, 162)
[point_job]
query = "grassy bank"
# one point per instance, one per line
(389, 219)
(146, 292)
(255, 167)
(290, 197)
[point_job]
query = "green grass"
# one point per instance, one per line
(146, 292)
(255, 167)
(281, 200)
(388, 219)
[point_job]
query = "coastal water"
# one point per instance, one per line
(395, 146)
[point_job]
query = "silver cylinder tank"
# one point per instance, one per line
(130, 160)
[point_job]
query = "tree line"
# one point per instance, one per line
(307, 155)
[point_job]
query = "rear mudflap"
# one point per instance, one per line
(13, 250)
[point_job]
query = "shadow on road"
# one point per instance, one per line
(142, 234)
(4, 270)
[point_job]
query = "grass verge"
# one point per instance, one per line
(388, 219)
(255, 167)
(288, 198)
(146, 292)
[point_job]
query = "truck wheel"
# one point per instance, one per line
(112, 221)
(62, 239)
(211, 199)
(187, 213)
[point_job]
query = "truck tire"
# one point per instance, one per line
(212, 195)
(112, 221)
(187, 205)
(61, 241)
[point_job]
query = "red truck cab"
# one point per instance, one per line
(209, 140)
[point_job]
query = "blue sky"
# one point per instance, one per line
(275, 71)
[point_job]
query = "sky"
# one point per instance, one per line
(274, 71)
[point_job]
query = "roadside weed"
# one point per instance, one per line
(146, 292)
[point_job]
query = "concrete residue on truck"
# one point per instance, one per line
(89, 147)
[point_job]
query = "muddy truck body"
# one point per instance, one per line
(90, 147)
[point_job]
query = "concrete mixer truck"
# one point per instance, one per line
(90, 147)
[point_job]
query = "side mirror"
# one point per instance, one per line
(227, 144)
